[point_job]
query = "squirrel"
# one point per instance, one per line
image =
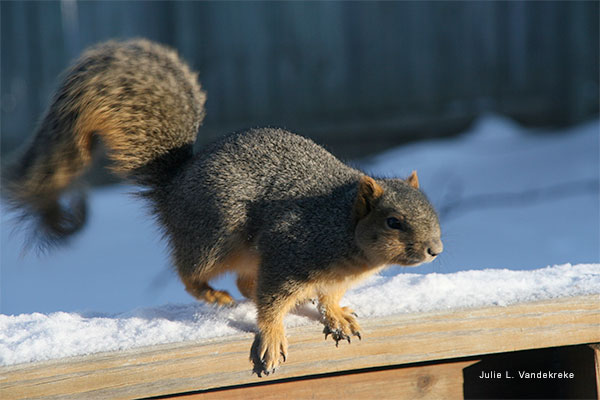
(293, 221)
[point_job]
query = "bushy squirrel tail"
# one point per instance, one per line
(137, 99)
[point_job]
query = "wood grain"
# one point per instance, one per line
(400, 339)
(437, 381)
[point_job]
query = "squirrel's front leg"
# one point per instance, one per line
(340, 322)
(270, 344)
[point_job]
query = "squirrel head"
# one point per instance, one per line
(395, 223)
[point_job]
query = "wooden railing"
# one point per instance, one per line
(403, 356)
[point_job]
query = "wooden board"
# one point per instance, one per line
(400, 339)
(596, 347)
(437, 381)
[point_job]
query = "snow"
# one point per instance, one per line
(36, 336)
(536, 205)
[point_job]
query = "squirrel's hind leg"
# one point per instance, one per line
(202, 291)
(245, 263)
(243, 260)
(246, 284)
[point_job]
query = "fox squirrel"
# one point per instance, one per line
(289, 218)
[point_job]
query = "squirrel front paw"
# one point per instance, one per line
(341, 324)
(267, 351)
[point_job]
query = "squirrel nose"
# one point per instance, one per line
(432, 252)
(435, 248)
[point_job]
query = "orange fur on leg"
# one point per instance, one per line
(270, 344)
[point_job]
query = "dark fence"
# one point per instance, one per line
(344, 72)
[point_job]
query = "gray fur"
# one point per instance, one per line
(277, 191)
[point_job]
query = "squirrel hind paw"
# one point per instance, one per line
(203, 292)
(220, 298)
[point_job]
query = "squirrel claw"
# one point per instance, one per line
(337, 335)
(261, 369)
(264, 358)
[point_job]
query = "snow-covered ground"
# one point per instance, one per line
(512, 202)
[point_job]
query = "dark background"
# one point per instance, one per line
(359, 77)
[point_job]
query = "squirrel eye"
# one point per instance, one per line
(395, 223)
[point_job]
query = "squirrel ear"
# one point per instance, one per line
(413, 180)
(368, 192)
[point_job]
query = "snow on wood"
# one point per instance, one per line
(393, 340)
(35, 337)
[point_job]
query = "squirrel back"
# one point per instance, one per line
(99, 101)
